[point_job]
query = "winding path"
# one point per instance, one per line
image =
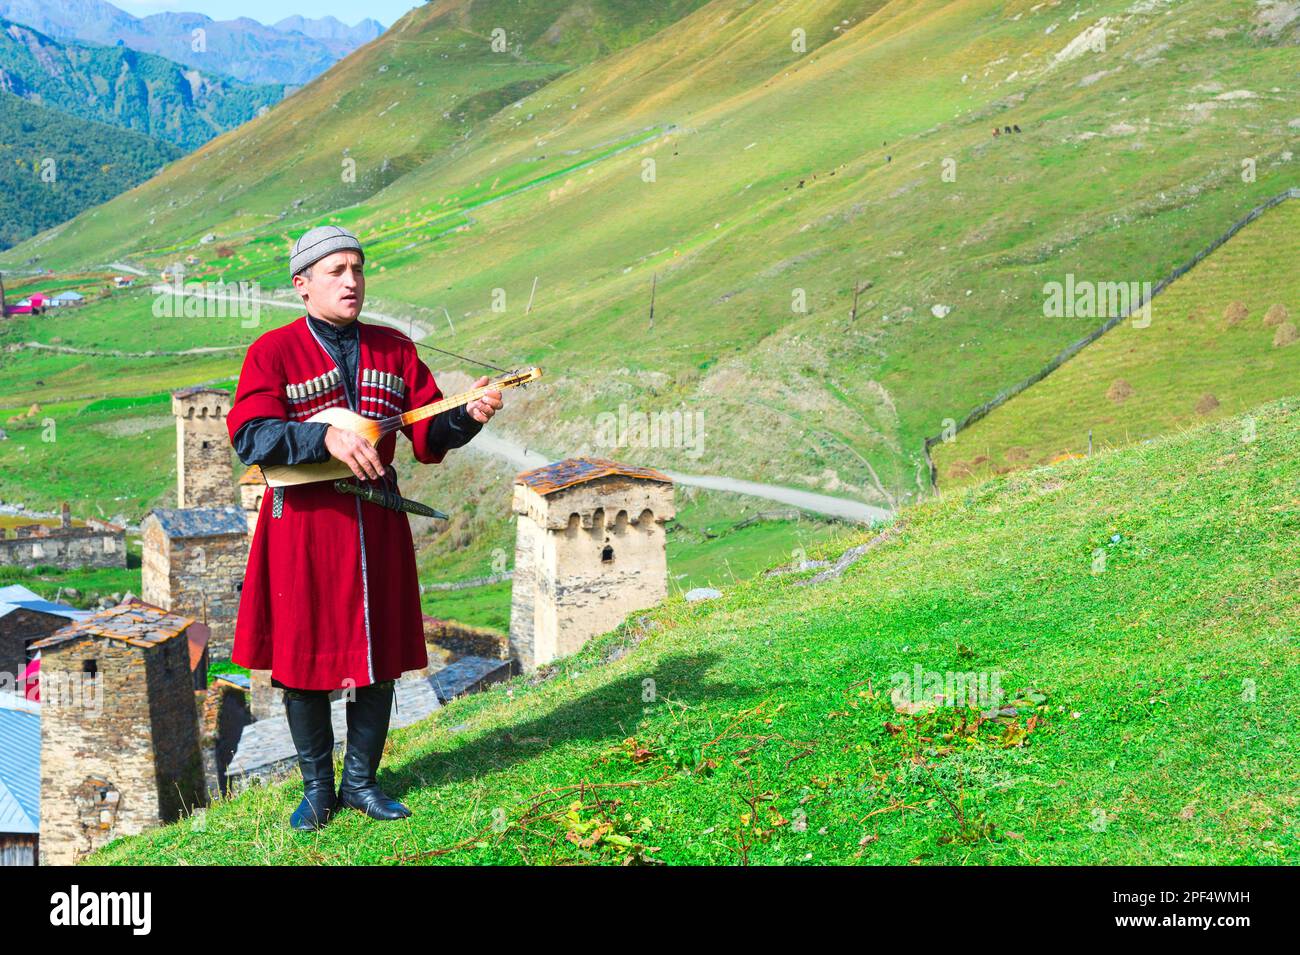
(522, 459)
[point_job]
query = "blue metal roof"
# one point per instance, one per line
(201, 521)
(17, 592)
(18, 596)
(20, 765)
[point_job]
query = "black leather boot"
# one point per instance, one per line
(368, 718)
(308, 712)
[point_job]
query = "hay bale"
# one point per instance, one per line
(1286, 334)
(1207, 404)
(1235, 313)
(1119, 390)
(1276, 315)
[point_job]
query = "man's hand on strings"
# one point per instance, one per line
(354, 451)
(482, 409)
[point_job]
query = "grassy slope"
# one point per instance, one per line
(755, 727)
(1189, 350)
(1128, 156)
(390, 106)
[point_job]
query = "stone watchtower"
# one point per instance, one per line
(590, 549)
(119, 731)
(252, 488)
(202, 447)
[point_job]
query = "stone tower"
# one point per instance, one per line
(252, 488)
(202, 447)
(119, 729)
(590, 549)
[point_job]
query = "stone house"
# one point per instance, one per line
(119, 729)
(193, 564)
(24, 619)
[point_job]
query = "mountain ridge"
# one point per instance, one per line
(122, 87)
(246, 49)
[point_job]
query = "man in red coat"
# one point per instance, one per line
(331, 599)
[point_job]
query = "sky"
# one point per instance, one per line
(269, 11)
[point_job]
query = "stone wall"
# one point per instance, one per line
(461, 640)
(529, 540)
(250, 499)
(265, 701)
(223, 714)
(589, 593)
(119, 747)
(97, 545)
(197, 577)
(18, 628)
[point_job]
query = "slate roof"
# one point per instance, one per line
(467, 675)
(20, 765)
(201, 521)
(136, 622)
(199, 390)
(240, 680)
(572, 471)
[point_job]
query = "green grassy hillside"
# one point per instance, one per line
(372, 118)
(1139, 611)
(1220, 340)
(782, 178)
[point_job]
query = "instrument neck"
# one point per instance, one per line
(398, 421)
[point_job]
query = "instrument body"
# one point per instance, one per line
(374, 429)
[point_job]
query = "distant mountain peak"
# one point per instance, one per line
(293, 51)
(331, 28)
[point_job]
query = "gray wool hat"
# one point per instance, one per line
(314, 244)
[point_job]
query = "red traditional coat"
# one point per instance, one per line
(330, 596)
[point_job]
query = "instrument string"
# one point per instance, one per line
(474, 361)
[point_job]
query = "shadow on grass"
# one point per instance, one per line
(607, 713)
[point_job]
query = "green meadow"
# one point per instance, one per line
(1136, 612)
(1219, 341)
